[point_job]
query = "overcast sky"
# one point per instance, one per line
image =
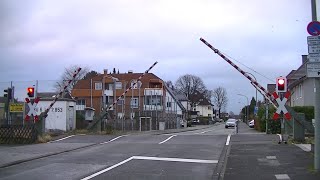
(38, 39)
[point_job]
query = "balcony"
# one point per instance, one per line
(108, 92)
(153, 92)
(152, 108)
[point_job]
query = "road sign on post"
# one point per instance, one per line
(281, 107)
(32, 107)
(313, 69)
(313, 28)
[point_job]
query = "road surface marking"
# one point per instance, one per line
(176, 159)
(113, 139)
(203, 132)
(305, 147)
(61, 139)
(282, 176)
(271, 157)
(167, 139)
(228, 140)
(107, 169)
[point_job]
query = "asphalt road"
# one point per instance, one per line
(185, 155)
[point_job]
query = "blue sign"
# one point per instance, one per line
(255, 110)
(313, 28)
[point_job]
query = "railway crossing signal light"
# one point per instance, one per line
(30, 92)
(8, 93)
(281, 85)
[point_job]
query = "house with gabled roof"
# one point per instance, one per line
(300, 86)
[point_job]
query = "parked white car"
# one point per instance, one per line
(251, 124)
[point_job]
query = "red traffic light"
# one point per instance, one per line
(281, 84)
(30, 91)
(281, 81)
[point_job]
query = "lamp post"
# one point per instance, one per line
(256, 88)
(245, 110)
(247, 107)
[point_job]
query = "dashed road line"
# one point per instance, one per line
(282, 176)
(167, 139)
(271, 157)
(61, 139)
(113, 139)
(228, 140)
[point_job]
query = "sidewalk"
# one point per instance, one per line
(253, 155)
(15, 154)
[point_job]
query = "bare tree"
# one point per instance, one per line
(90, 75)
(193, 88)
(190, 84)
(68, 75)
(231, 114)
(169, 84)
(220, 98)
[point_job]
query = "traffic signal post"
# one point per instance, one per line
(8, 96)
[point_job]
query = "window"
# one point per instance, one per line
(81, 102)
(168, 104)
(132, 82)
(120, 102)
(134, 102)
(209, 107)
(118, 85)
(109, 99)
(300, 90)
(154, 100)
(98, 86)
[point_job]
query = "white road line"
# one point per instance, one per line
(113, 139)
(271, 157)
(107, 169)
(167, 139)
(282, 176)
(228, 140)
(175, 159)
(61, 139)
(203, 132)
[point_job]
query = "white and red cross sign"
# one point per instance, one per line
(32, 107)
(281, 107)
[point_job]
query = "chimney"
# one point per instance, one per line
(130, 72)
(105, 71)
(304, 58)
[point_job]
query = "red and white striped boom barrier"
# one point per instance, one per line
(237, 68)
(274, 105)
(76, 72)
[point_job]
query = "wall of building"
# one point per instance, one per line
(303, 94)
(59, 114)
(204, 111)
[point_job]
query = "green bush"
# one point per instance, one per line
(274, 126)
(307, 110)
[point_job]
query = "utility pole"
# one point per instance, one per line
(316, 105)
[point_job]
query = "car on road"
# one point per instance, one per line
(195, 121)
(231, 123)
(251, 124)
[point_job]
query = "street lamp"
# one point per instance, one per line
(247, 107)
(255, 87)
